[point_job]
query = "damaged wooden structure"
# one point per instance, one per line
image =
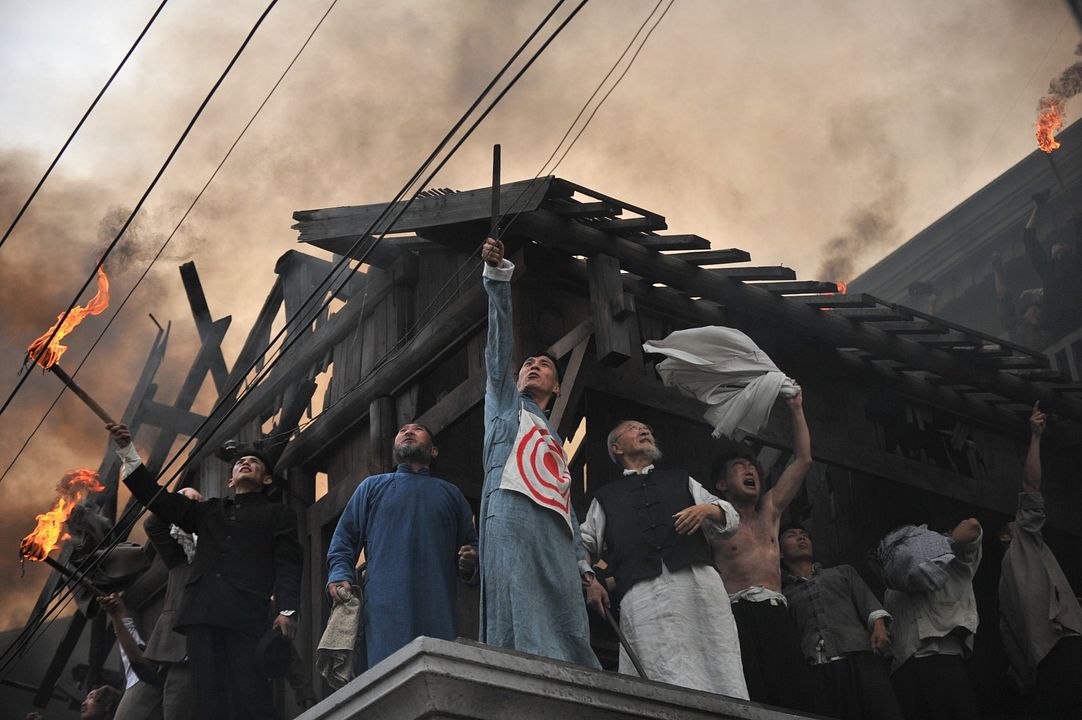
(913, 418)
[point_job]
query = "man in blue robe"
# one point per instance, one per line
(414, 529)
(532, 561)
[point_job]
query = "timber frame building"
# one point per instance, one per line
(913, 417)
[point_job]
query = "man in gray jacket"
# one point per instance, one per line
(1040, 617)
(167, 647)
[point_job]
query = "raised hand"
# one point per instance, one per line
(492, 252)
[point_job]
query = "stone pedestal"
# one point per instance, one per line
(440, 680)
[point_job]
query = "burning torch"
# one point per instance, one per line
(47, 353)
(74, 487)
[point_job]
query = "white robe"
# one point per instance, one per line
(680, 624)
(725, 369)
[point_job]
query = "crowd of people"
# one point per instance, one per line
(712, 592)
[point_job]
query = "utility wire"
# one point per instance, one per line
(87, 567)
(168, 239)
(79, 125)
(458, 277)
(137, 208)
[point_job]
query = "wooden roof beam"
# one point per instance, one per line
(671, 242)
(798, 287)
(713, 257)
(625, 225)
(775, 272)
(751, 305)
(587, 210)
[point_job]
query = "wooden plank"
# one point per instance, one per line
(258, 337)
(949, 339)
(189, 389)
(835, 300)
(452, 406)
(382, 428)
(775, 272)
(909, 327)
(60, 659)
(193, 288)
(571, 340)
(1022, 362)
(587, 210)
(798, 287)
(874, 314)
(628, 225)
(335, 229)
(161, 415)
(712, 257)
(567, 410)
(608, 310)
(671, 242)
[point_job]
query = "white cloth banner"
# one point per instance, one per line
(537, 467)
(725, 369)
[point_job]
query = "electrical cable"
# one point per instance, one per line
(137, 208)
(82, 571)
(169, 239)
(79, 125)
(531, 189)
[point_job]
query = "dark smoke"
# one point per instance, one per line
(1069, 82)
(869, 228)
(858, 135)
(143, 239)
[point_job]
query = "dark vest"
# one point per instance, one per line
(640, 531)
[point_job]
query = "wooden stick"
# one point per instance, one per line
(72, 575)
(627, 646)
(81, 394)
(495, 191)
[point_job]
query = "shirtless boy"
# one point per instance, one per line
(749, 563)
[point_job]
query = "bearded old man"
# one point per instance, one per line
(651, 528)
(532, 561)
(415, 530)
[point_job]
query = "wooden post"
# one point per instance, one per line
(610, 309)
(382, 428)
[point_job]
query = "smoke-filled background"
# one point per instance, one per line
(818, 135)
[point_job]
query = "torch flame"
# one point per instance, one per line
(72, 489)
(96, 306)
(1049, 120)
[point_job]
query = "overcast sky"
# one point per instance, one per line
(771, 126)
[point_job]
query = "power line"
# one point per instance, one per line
(169, 239)
(13, 653)
(528, 193)
(79, 125)
(138, 206)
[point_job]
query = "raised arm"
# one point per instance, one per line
(792, 478)
(1037, 255)
(1031, 478)
(500, 386)
(170, 507)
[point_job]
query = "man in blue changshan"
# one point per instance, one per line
(532, 560)
(415, 530)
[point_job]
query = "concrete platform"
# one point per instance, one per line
(441, 680)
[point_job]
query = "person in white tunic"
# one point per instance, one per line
(650, 528)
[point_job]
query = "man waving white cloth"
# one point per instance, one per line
(725, 369)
